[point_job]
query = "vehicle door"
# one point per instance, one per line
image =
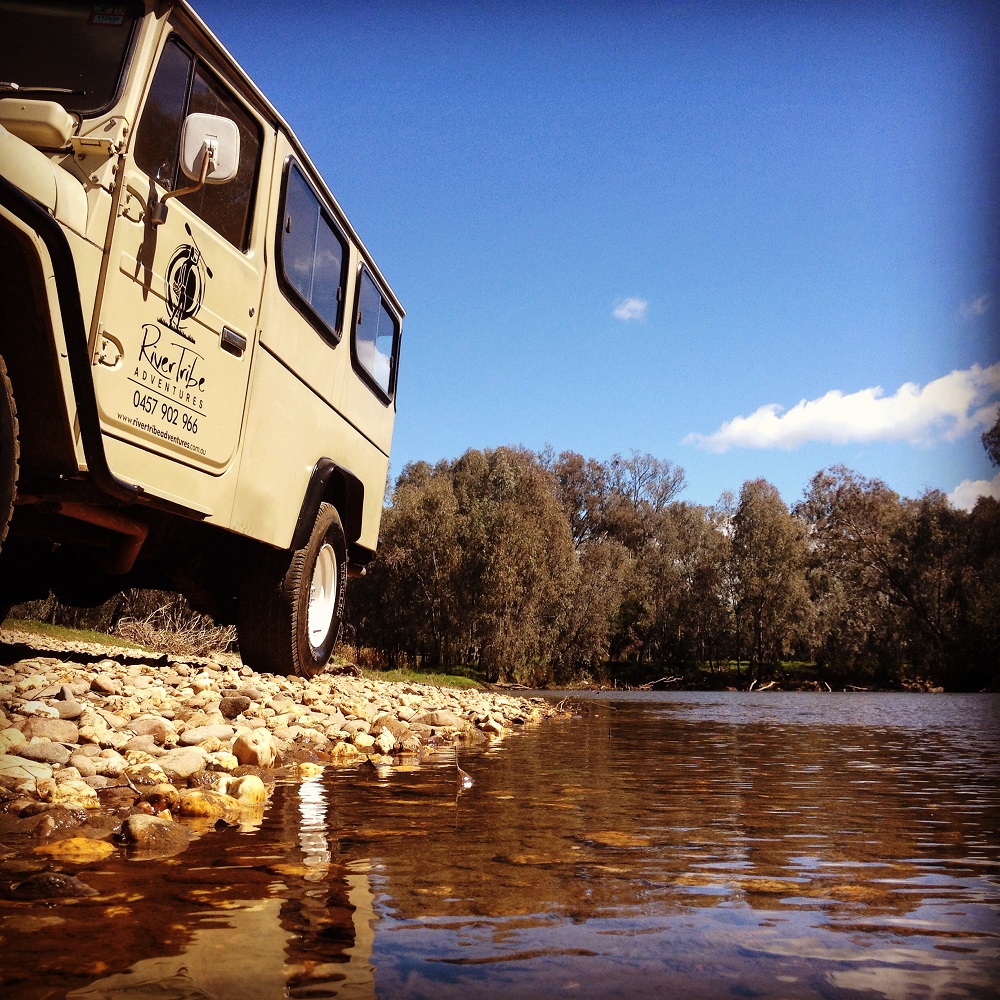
(175, 338)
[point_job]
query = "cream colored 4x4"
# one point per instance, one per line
(197, 353)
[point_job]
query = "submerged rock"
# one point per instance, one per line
(150, 837)
(207, 804)
(51, 885)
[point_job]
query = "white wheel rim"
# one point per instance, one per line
(322, 595)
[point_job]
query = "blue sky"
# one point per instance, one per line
(753, 239)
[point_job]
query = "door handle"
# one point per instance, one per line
(233, 342)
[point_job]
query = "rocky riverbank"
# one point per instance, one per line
(103, 748)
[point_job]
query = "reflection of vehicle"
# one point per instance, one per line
(197, 354)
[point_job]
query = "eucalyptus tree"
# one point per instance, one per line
(581, 487)
(768, 556)
(517, 560)
(854, 525)
(991, 442)
(407, 605)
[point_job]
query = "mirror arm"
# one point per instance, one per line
(159, 213)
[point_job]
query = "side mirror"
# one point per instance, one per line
(215, 137)
(210, 154)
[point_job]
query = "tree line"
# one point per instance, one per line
(539, 568)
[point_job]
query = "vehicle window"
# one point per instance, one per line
(376, 336)
(158, 140)
(312, 251)
(69, 52)
(183, 86)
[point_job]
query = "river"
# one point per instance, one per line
(776, 845)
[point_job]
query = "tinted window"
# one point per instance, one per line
(312, 251)
(69, 52)
(182, 86)
(158, 141)
(375, 335)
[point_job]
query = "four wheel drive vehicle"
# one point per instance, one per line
(198, 356)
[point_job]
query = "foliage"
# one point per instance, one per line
(537, 568)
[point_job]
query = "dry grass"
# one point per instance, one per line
(177, 631)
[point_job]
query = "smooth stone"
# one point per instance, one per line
(160, 797)
(112, 740)
(20, 767)
(248, 790)
(51, 885)
(207, 804)
(182, 762)
(58, 730)
(105, 684)
(199, 734)
(45, 751)
(151, 725)
(146, 774)
(145, 744)
(74, 795)
(114, 721)
(255, 748)
(111, 767)
(440, 719)
(11, 737)
(152, 837)
(234, 706)
(222, 760)
(38, 709)
(84, 764)
(77, 850)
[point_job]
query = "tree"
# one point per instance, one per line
(640, 486)
(597, 588)
(853, 525)
(768, 561)
(407, 601)
(991, 442)
(518, 559)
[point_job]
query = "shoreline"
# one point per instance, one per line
(104, 745)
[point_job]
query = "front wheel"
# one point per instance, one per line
(292, 603)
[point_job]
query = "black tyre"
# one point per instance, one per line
(10, 452)
(292, 603)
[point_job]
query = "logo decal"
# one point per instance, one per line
(187, 274)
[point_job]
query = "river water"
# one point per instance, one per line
(655, 845)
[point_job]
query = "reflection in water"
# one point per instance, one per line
(692, 845)
(313, 827)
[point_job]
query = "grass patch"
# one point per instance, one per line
(66, 634)
(463, 679)
(403, 675)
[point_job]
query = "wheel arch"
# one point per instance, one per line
(332, 484)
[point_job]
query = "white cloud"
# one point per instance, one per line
(631, 309)
(945, 409)
(976, 307)
(968, 491)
